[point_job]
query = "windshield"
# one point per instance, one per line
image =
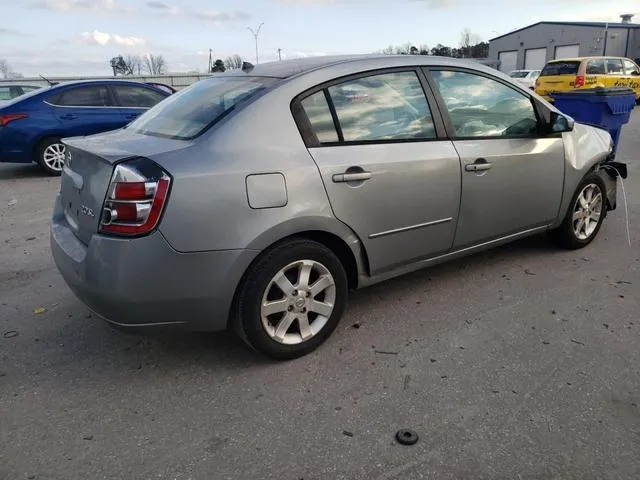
(190, 112)
(560, 68)
(519, 74)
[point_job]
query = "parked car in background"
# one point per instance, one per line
(32, 125)
(587, 72)
(256, 199)
(525, 77)
(13, 90)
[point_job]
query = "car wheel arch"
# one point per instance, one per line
(328, 231)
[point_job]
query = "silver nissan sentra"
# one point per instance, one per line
(257, 199)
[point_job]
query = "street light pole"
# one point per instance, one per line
(255, 34)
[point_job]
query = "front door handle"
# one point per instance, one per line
(351, 177)
(480, 165)
(68, 116)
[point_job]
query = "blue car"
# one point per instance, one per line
(32, 125)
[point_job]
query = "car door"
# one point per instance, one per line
(134, 100)
(85, 110)
(615, 74)
(512, 177)
(388, 170)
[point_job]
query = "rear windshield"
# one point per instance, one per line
(190, 112)
(521, 74)
(560, 68)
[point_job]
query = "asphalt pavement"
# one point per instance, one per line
(519, 363)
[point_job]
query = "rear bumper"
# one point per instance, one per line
(143, 282)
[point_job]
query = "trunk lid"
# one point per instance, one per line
(88, 169)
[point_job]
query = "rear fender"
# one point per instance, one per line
(301, 225)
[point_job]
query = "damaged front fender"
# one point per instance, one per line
(588, 149)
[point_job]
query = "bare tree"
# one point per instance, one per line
(468, 40)
(5, 69)
(133, 64)
(233, 62)
(154, 64)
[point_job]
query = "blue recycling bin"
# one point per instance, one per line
(609, 108)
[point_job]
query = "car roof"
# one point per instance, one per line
(592, 57)
(289, 68)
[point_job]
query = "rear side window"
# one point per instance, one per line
(92, 96)
(630, 68)
(390, 106)
(5, 93)
(137, 97)
(614, 66)
(560, 68)
(319, 115)
(190, 112)
(596, 67)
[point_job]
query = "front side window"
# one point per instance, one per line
(137, 97)
(191, 111)
(93, 96)
(630, 68)
(390, 106)
(481, 107)
(614, 67)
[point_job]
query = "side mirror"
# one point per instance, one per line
(560, 123)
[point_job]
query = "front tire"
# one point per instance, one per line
(49, 154)
(585, 216)
(291, 300)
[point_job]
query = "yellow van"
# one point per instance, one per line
(587, 72)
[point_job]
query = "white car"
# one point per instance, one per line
(13, 90)
(526, 77)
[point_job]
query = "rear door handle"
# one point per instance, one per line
(480, 165)
(351, 177)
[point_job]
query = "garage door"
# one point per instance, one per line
(508, 61)
(568, 51)
(535, 58)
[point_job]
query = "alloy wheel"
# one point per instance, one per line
(298, 302)
(587, 211)
(53, 156)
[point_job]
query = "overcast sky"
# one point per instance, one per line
(78, 37)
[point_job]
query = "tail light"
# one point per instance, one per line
(579, 81)
(10, 117)
(135, 199)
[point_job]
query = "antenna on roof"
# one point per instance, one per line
(51, 84)
(247, 67)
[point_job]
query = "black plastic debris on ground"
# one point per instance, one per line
(406, 437)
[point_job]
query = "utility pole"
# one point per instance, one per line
(255, 34)
(280, 54)
(210, 60)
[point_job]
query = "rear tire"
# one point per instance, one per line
(49, 154)
(586, 213)
(291, 300)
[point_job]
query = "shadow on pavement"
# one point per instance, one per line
(21, 170)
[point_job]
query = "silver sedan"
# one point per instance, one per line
(257, 199)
